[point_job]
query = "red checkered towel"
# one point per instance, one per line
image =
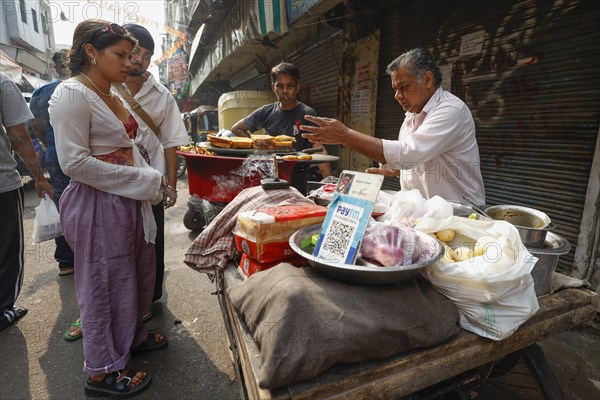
(215, 246)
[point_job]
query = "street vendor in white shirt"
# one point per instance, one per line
(436, 151)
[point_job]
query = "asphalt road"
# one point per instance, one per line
(37, 363)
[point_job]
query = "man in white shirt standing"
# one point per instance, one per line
(158, 103)
(436, 151)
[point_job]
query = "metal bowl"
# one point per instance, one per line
(548, 255)
(363, 274)
(533, 225)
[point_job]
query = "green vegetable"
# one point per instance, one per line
(314, 238)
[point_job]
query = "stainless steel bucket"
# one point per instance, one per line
(548, 255)
(533, 225)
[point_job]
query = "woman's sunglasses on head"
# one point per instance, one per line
(114, 29)
(111, 27)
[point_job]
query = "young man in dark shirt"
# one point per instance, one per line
(285, 116)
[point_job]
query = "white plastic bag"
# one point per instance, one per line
(407, 208)
(46, 225)
(494, 293)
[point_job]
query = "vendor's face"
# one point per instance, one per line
(411, 93)
(286, 89)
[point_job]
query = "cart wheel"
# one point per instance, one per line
(181, 166)
(193, 220)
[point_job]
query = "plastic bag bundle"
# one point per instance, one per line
(255, 166)
(408, 208)
(493, 292)
(392, 246)
(46, 225)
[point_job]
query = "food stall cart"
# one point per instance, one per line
(459, 359)
(218, 178)
(465, 358)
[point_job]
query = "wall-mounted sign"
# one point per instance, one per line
(471, 44)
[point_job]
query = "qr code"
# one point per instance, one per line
(338, 238)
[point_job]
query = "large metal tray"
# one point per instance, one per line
(244, 152)
(362, 274)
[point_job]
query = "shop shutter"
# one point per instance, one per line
(320, 73)
(533, 91)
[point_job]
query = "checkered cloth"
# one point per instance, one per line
(215, 246)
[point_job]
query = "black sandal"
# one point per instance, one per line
(111, 386)
(151, 344)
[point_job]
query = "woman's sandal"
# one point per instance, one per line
(151, 343)
(149, 314)
(117, 384)
(77, 324)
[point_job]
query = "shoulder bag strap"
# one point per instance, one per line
(135, 106)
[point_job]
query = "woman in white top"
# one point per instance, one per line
(106, 211)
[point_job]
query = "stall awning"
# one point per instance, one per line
(34, 81)
(10, 67)
(255, 21)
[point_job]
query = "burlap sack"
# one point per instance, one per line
(303, 323)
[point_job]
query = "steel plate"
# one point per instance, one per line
(363, 274)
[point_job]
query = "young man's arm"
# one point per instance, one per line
(240, 128)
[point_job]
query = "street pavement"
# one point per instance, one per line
(37, 363)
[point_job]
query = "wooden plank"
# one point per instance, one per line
(409, 372)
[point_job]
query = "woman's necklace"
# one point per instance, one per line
(93, 84)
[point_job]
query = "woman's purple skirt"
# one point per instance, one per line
(114, 273)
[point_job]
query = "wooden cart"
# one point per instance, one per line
(457, 362)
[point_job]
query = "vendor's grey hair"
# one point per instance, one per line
(416, 62)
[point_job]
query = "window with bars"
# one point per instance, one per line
(34, 18)
(23, 11)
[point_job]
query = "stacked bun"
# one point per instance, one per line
(264, 142)
(241, 142)
(283, 141)
(222, 142)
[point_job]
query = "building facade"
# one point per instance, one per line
(27, 39)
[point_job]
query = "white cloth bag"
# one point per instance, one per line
(46, 225)
(494, 293)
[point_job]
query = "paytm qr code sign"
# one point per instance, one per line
(343, 229)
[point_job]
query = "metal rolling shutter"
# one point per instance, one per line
(320, 69)
(533, 91)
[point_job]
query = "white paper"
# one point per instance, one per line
(472, 43)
